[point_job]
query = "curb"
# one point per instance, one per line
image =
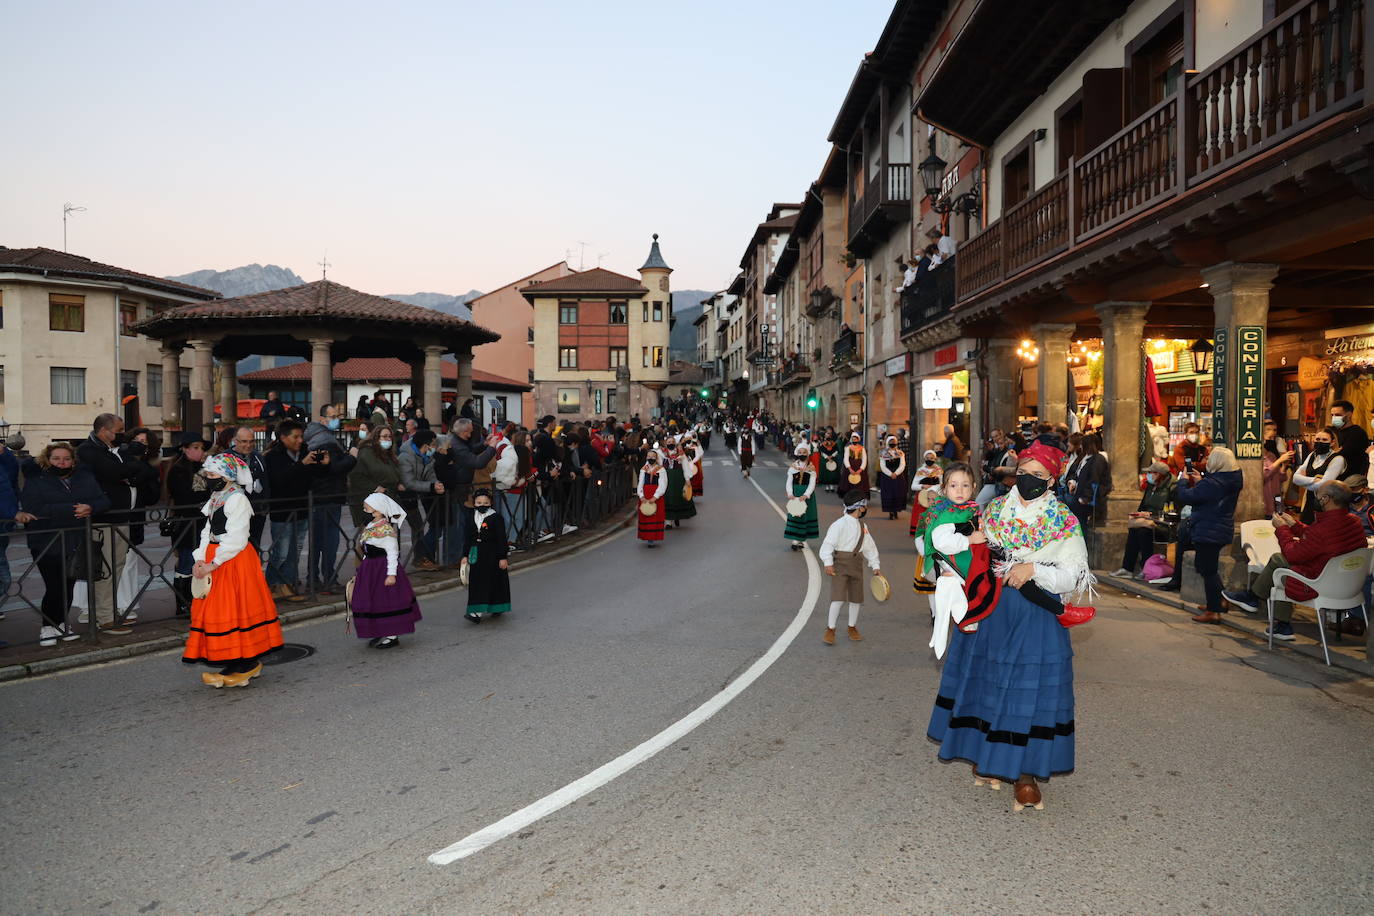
(1241, 623)
(288, 617)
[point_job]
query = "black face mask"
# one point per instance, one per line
(1321, 448)
(1030, 486)
(60, 472)
(215, 484)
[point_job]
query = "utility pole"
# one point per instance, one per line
(68, 208)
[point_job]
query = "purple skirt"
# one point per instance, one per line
(380, 609)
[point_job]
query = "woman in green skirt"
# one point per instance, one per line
(677, 501)
(801, 485)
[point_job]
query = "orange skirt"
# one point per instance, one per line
(237, 621)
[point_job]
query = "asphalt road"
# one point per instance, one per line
(1213, 774)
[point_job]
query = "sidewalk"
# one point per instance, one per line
(30, 660)
(1351, 653)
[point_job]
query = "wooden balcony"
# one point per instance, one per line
(885, 204)
(930, 300)
(1304, 68)
(793, 372)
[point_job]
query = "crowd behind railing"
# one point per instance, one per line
(106, 526)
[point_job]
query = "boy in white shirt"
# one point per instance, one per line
(846, 546)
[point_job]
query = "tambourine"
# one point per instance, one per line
(796, 507)
(880, 587)
(648, 507)
(855, 478)
(687, 491)
(465, 572)
(830, 465)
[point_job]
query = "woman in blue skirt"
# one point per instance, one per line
(1006, 696)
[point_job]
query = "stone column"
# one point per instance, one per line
(171, 384)
(229, 390)
(434, 384)
(321, 373)
(464, 390)
(1123, 330)
(202, 378)
(1053, 370)
(1002, 368)
(1240, 297)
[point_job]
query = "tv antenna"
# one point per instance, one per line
(582, 256)
(324, 266)
(604, 254)
(68, 208)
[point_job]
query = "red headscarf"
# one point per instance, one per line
(1051, 457)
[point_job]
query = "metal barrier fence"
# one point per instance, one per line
(128, 569)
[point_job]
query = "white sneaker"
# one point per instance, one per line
(1122, 573)
(83, 617)
(1162, 580)
(47, 636)
(68, 634)
(569, 529)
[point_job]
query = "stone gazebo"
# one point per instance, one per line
(325, 322)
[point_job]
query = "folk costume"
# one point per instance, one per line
(926, 477)
(801, 484)
(695, 453)
(380, 612)
(846, 546)
(236, 623)
(679, 494)
(892, 478)
(488, 583)
(854, 469)
(966, 589)
(746, 453)
(653, 482)
(1005, 702)
(829, 456)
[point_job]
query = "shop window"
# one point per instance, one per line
(67, 385)
(569, 400)
(610, 401)
(66, 313)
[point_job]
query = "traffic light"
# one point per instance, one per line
(706, 392)
(812, 402)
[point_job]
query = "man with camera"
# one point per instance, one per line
(291, 469)
(330, 490)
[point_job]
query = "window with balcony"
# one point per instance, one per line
(66, 313)
(1017, 168)
(567, 357)
(1068, 133)
(1157, 57)
(567, 313)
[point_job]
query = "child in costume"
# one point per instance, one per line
(489, 575)
(829, 454)
(926, 477)
(846, 546)
(854, 464)
(383, 605)
(746, 452)
(801, 484)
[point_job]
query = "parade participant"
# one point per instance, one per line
(679, 493)
(1005, 702)
(488, 566)
(829, 458)
(854, 467)
(892, 478)
(760, 431)
(731, 434)
(847, 544)
(746, 453)
(926, 477)
(236, 624)
(652, 482)
(383, 604)
(693, 451)
(801, 487)
(954, 552)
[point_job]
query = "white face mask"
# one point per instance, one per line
(384, 444)
(1192, 437)
(1337, 420)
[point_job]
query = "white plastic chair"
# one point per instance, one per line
(1260, 542)
(1339, 588)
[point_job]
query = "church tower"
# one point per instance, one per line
(655, 330)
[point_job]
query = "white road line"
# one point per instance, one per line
(555, 801)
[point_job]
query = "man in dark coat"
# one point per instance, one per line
(1353, 439)
(330, 490)
(455, 466)
(291, 469)
(272, 408)
(117, 476)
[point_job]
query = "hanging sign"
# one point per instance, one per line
(1082, 376)
(1249, 352)
(1220, 391)
(937, 393)
(1165, 361)
(1312, 373)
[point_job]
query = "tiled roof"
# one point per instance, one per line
(596, 280)
(323, 299)
(375, 369)
(47, 262)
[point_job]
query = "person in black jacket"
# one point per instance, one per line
(185, 495)
(291, 469)
(57, 500)
(1353, 439)
(1091, 483)
(454, 465)
(272, 408)
(330, 489)
(117, 476)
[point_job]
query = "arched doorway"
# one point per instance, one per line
(832, 418)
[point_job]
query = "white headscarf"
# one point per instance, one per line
(387, 506)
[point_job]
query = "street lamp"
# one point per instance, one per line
(932, 170)
(1202, 354)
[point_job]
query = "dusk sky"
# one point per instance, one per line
(424, 146)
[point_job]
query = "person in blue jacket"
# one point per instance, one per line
(1212, 525)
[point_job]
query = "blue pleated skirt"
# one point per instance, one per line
(1006, 696)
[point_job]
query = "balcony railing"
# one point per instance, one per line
(930, 299)
(892, 189)
(1305, 67)
(793, 370)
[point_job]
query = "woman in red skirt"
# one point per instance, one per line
(652, 482)
(694, 451)
(236, 624)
